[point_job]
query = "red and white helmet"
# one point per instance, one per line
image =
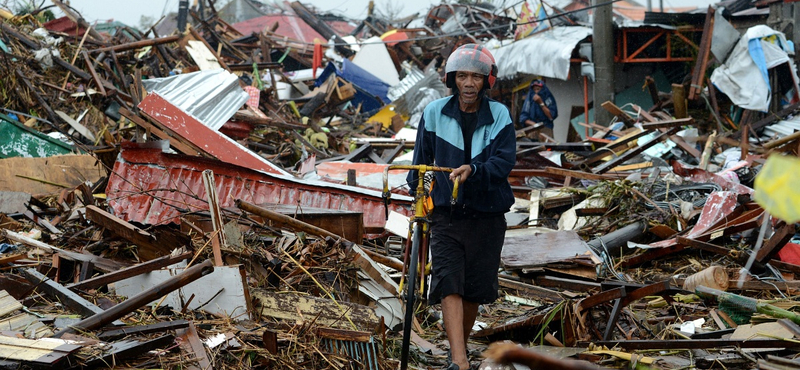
(471, 58)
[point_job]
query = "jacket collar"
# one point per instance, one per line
(485, 116)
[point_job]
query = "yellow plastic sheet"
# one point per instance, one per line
(778, 187)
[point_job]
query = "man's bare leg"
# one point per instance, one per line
(470, 313)
(454, 315)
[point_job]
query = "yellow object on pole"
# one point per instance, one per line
(777, 188)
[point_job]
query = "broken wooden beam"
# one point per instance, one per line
(699, 70)
(133, 303)
(783, 233)
(286, 220)
(617, 111)
(174, 142)
(68, 298)
(649, 344)
(139, 44)
(131, 271)
(115, 334)
(128, 349)
(190, 342)
(531, 290)
(666, 124)
(633, 152)
(611, 149)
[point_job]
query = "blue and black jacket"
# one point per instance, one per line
(532, 111)
(493, 154)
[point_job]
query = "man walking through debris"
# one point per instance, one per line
(474, 135)
(539, 107)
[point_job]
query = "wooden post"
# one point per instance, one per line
(679, 101)
(218, 239)
(699, 71)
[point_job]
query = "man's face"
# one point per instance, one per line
(537, 88)
(469, 84)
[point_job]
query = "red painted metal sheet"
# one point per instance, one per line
(291, 26)
(210, 141)
(719, 205)
(152, 187)
(65, 25)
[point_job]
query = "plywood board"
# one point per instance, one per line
(524, 250)
(46, 176)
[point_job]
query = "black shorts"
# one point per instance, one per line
(465, 256)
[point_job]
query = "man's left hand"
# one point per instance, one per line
(461, 173)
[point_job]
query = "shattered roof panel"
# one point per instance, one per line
(291, 26)
(546, 53)
(212, 97)
(151, 187)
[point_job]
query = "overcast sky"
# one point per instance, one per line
(130, 11)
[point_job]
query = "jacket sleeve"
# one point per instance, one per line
(502, 159)
(423, 152)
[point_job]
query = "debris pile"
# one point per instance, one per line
(211, 199)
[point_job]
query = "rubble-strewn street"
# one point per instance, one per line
(207, 193)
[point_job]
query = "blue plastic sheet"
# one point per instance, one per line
(371, 92)
(5, 248)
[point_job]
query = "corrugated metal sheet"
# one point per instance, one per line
(204, 138)
(212, 97)
(16, 140)
(151, 187)
(546, 53)
(291, 26)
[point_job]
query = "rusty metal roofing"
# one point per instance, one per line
(152, 187)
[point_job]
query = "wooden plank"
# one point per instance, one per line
(299, 307)
(58, 291)
(111, 335)
(27, 324)
(671, 123)
(612, 148)
(631, 153)
(135, 270)
(579, 174)
(129, 349)
(11, 258)
(776, 242)
(345, 335)
(8, 304)
(191, 344)
(174, 142)
(570, 284)
(615, 110)
(644, 344)
(36, 352)
(532, 290)
(53, 173)
(143, 239)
